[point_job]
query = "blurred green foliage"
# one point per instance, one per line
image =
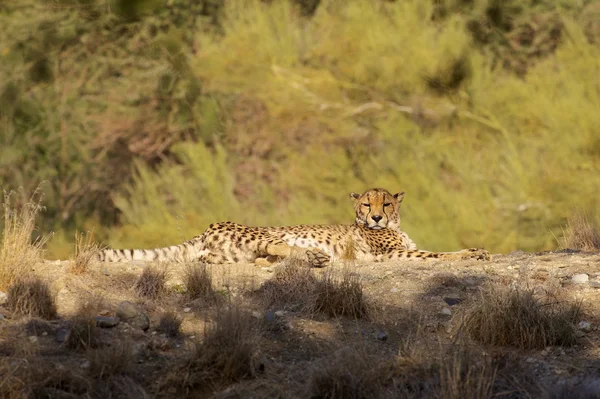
(150, 119)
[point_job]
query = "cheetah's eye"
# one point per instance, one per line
(387, 204)
(366, 205)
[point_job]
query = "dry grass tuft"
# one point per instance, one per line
(198, 282)
(582, 232)
(225, 355)
(110, 361)
(151, 283)
(19, 252)
(518, 318)
(31, 296)
(340, 295)
(83, 333)
(169, 324)
(295, 286)
(350, 373)
(35, 377)
(420, 372)
(85, 250)
(291, 286)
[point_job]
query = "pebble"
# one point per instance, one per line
(187, 310)
(3, 297)
(33, 339)
(584, 326)
(256, 314)
(269, 316)
(446, 312)
(381, 335)
(451, 301)
(106, 322)
(394, 290)
(580, 278)
(62, 335)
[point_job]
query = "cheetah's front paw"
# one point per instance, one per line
(475, 253)
(317, 258)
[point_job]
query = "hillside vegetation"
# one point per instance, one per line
(148, 120)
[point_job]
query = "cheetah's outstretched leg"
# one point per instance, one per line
(471, 253)
(277, 250)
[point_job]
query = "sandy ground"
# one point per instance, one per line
(434, 292)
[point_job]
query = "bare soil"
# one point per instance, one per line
(406, 296)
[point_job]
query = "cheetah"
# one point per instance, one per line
(368, 239)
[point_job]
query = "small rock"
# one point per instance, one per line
(192, 336)
(85, 364)
(105, 272)
(580, 278)
(106, 322)
(45, 333)
(256, 314)
(33, 339)
(394, 289)
(446, 312)
(280, 313)
(187, 310)
(269, 316)
(381, 335)
(3, 297)
(126, 310)
(62, 335)
(104, 312)
(595, 284)
(1, 316)
(585, 326)
(451, 301)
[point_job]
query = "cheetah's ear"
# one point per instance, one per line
(399, 197)
(354, 196)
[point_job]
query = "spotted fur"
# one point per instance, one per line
(370, 239)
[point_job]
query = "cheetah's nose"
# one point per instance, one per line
(376, 218)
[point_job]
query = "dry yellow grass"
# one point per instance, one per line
(225, 355)
(19, 251)
(151, 283)
(198, 283)
(582, 232)
(519, 318)
(31, 297)
(85, 250)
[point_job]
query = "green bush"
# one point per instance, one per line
(157, 119)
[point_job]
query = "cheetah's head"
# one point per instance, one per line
(378, 208)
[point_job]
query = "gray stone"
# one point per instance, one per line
(381, 335)
(446, 312)
(580, 278)
(270, 316)
(595, 284)
(106, 322)
(62, 335)
(3, 297)
(1, 316)
(33, 339)
(126, 310)
(141, 321)
(585, 326)
(187, 310)
(451, 301)
(394, 290)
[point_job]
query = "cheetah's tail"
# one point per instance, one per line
(175, 253)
